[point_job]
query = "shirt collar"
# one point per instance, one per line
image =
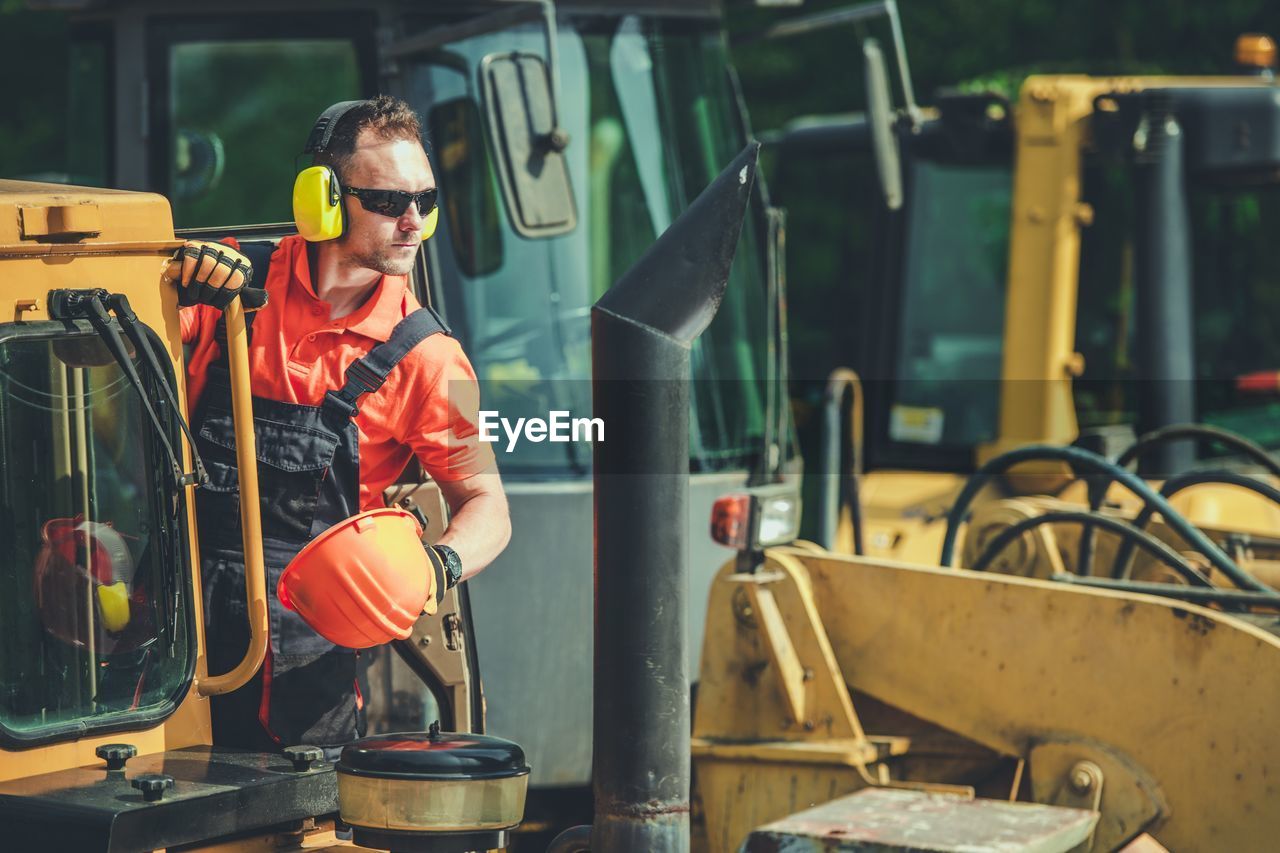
(380, 313)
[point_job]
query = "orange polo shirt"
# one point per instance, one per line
(427, 407)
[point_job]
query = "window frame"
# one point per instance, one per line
(180, 534)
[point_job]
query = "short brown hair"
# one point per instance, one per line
(388, 117)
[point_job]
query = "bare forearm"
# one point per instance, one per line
(478, 530)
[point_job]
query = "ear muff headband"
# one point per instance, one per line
(322, 131)
(317, 196)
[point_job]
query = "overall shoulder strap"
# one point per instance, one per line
(259, 253)
(367, 374)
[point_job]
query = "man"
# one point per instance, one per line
(351, 380)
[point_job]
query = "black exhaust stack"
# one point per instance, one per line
(641, 333)
(1166, 315)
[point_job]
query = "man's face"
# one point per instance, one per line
(373, 241)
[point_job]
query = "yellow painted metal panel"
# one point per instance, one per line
(127, 256)
(1185, 693)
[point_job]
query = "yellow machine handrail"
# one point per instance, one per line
(255, 576)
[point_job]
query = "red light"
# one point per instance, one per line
(1261, 382)
(731, 521)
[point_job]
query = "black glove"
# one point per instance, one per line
(214, 274)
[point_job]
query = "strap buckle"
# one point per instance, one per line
(341, 403)
(362, 374)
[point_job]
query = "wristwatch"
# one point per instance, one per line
(452, 565)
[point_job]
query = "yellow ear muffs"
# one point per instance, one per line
(432, 220)
(317, 204)
(113, 605)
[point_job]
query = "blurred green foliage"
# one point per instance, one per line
(279, 88)
(34, 65)
(949, 42)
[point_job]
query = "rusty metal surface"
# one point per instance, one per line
(881, 819)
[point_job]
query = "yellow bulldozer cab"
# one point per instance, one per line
(1033, 384)
(103, 630)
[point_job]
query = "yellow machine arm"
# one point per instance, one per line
(1156, 713)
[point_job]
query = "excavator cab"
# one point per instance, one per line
(98, 612)
(1006, 605)
(1088, 264)
(105, 735)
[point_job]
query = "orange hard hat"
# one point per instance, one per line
(362, 582)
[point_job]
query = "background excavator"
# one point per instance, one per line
(1087, 265)
(1055, 277)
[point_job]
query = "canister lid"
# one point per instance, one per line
(433, 755)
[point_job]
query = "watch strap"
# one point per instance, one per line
(452, 564)
(442, 574)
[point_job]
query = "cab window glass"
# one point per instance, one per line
(952, 329)
(1105, 322)
(93, 609)
(89, 116)
(1236, 265)
(56, 123)
(698, 111)
(238, 114)
(652, 121)
(630, 195)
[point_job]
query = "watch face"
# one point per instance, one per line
(452, 563)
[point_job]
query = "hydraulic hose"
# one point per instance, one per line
(1144, 444)
(1197, 594)
(93, 308)
(128, 320)
(1132, 535)
(1079, 458)
(1121, 567)
(1222, 437)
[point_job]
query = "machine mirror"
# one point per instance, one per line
(528, 143)
(880, 116)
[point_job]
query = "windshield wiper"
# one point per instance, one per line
(91, 305)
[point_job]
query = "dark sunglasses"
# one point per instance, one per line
(394, 202)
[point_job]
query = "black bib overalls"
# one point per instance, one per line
(308, 480)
